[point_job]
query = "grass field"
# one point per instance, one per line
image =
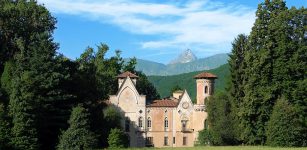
(223, 148)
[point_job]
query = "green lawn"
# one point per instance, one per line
(224, 148)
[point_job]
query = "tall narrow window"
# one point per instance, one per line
(140, 122)
(184, 125)
(149, 122)
(174, 140)
(165, 140)
(184, 141)
(206, 89)
(165, 122)
(127, 125)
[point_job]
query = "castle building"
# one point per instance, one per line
(169, 122)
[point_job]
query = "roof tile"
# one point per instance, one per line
(127, 74)
(163, 103)
(205, 75)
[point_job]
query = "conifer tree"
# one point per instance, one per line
(236, 86)
(78, 136)
(36, 97)
(221, 121)
(284, 127)
(259, 93)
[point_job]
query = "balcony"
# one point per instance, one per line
(200, 107)
(186, 130)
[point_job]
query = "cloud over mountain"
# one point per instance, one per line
(195, 23)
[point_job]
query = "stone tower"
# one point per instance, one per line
(204, 86)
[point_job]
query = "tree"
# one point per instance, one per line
(130, 65)
(21, 20)
(143, 85)
(78, 136)
(146, 88)
(221, 122)
(284, 127)
(112, 117)
(260, 92)
(175, 88)
(204, 137)
(22, 110)
(117, 139)
(272, 67)
(237, 78)
(4, 129)
(33, 83)
(7, 76)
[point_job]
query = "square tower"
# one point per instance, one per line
(204, 86)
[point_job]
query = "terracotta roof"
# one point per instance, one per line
(163, 103)
(127, 74)
(205, 75)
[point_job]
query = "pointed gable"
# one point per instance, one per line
(128, 83)
(185, 103)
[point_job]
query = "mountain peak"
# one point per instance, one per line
(185, 57)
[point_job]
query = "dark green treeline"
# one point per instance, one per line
(265, 102)
(40, 88)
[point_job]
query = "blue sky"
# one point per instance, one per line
(156, 30)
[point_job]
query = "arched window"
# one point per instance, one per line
(140, 122)
(206, 124)
(165, 122)
(149, 122)
(206, 89)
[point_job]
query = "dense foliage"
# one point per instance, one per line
(284, 127)
(266, 95)
(39, 87)
(78, 136)
(221, 120)
(117, 139)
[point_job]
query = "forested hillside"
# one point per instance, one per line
(164, 84)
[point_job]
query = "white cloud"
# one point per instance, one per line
(194, 23)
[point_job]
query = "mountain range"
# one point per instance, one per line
(185, 57)
(164, 84)
(184, 63)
